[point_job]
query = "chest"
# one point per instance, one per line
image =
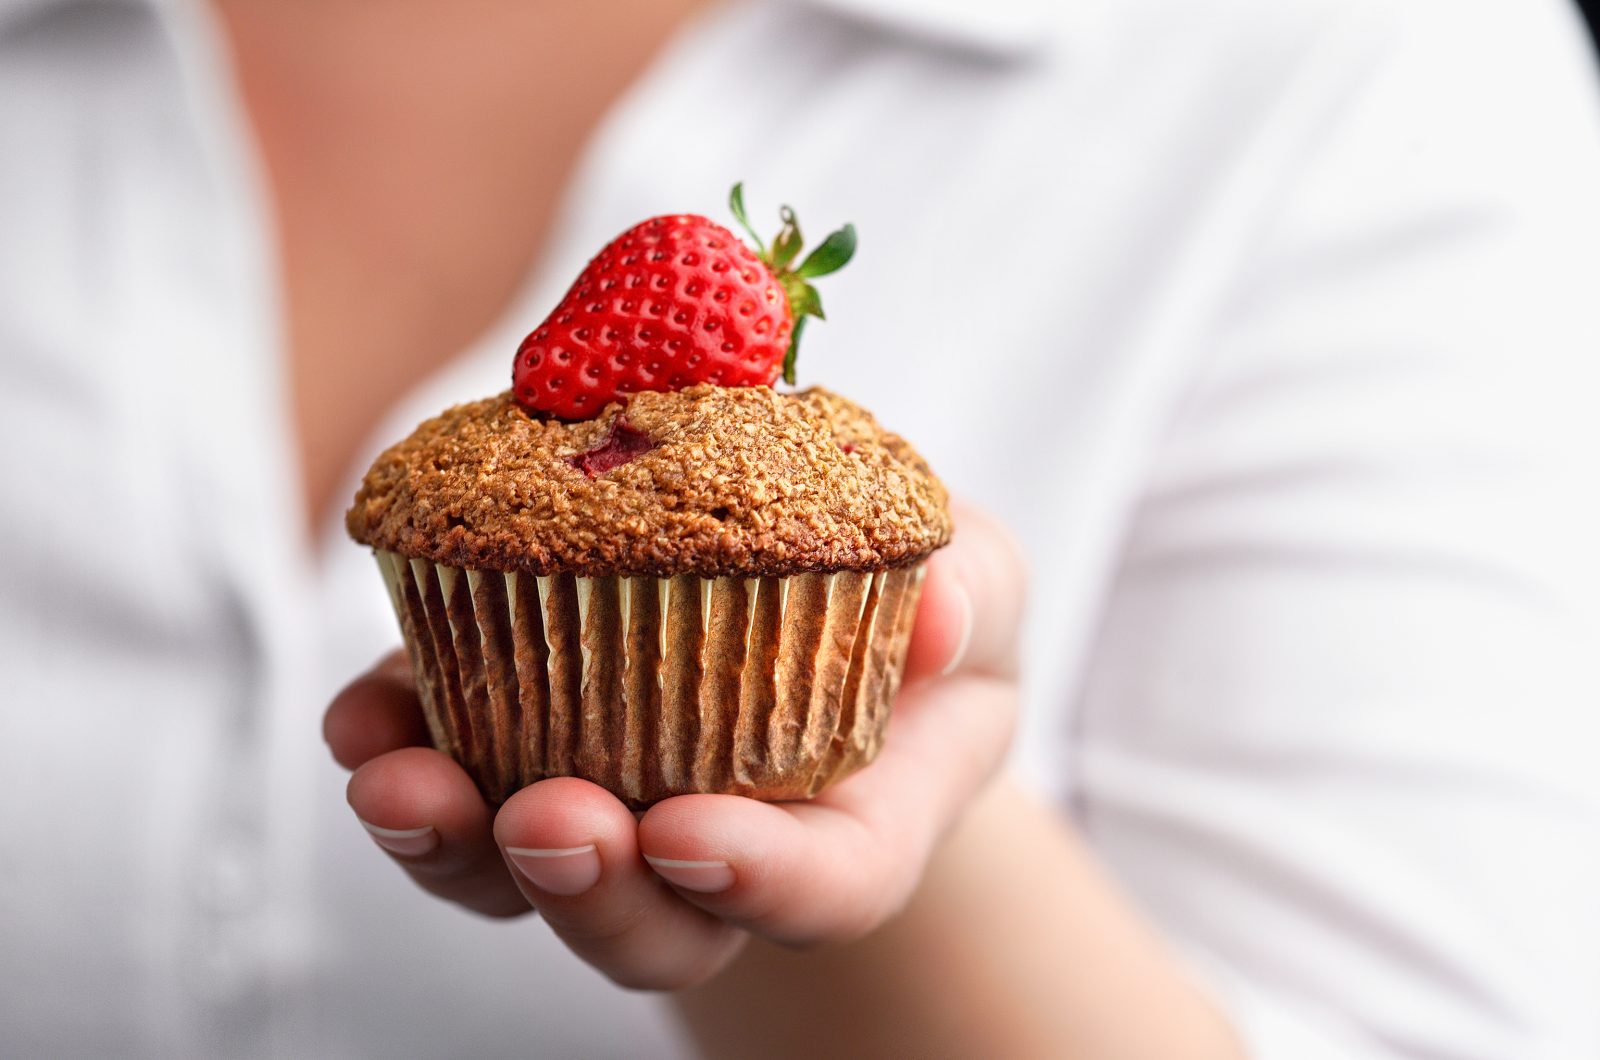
(415, 154)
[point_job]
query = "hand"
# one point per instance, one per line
(665, 901)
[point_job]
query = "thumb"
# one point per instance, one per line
(970, 613)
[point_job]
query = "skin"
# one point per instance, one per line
(918, 880)
(416, 153)
(921, 880)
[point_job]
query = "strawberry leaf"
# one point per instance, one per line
(736, 206)
(804, 301)
(786, 245)
(831, 255)
(793, 351)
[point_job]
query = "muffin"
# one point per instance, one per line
(699, 588)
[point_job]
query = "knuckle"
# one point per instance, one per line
(838, 924)
(505, 910)
(650, 979)
(467, 869)
(676, 969)
(499, 914)
(629, 980)
(597, 924)
(868, 916)
(395, 666)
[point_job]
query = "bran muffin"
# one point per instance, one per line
(708, 589)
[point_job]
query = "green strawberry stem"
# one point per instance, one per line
(831, 255)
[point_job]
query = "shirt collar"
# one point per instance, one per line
(1002, 28)
(997, 27)
(16, 11)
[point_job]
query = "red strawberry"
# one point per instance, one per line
(674, 301)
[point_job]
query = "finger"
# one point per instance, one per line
(573, 847)
(376, 713)
(971, 604)
(834, 869)
(422, 808)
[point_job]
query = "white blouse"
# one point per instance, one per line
(1272, 326)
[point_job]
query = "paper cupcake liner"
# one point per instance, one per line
(651, 687)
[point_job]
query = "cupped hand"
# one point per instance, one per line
(666, 900)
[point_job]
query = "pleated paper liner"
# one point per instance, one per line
(651, 687)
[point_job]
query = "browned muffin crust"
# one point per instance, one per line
(712, 481)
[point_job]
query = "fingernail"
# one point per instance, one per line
(407, 842)
(966, 631)
(707, 877)
(562, 870)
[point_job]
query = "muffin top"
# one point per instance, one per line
(707, 480)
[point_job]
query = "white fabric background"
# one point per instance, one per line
(1271, 326)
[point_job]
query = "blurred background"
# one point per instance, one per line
(1268, 325)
